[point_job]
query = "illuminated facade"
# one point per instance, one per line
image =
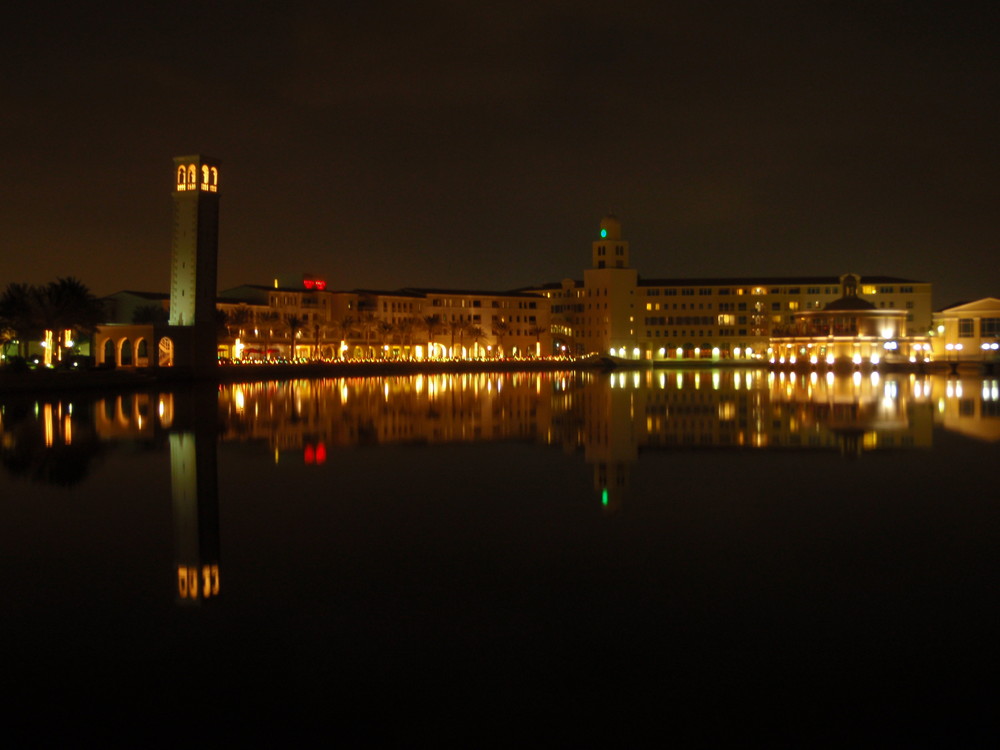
(612, 311)
(406, 323)
(969, 332)
(848, 331)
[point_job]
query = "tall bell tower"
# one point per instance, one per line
(609, 288)
(194, 261)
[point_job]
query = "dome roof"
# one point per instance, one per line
(848, 303)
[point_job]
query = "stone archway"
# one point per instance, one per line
(125, 358)
(108, 352)
(165, 352)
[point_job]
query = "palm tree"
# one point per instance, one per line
(405, 329)
(239, 318)
(384, 330)
(537, 332)
(500, 329)
(266, 321)
(317, 331)
(7, 336)
(343, 329)
(76, 309)
(294, 323)
(433, 325)
(456, 326)
(65, 307)
(367, 324)
(17, 309)
(477, 334)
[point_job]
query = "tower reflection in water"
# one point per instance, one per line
(195, 493)
(188, 421)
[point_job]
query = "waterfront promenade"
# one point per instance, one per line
(49, 380)
(72, 380)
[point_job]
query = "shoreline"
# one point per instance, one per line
(134, 379)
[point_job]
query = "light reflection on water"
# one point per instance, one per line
(752, 409)
(513, 526)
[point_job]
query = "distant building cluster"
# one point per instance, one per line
(611, 311)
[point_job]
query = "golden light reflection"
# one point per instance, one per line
(195, 582)
(47, 426)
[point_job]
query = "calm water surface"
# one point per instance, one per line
(700, 555)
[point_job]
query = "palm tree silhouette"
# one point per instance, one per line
(294, 323)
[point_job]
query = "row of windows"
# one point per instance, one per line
(450, 302)
(987, 327)
(726, 291)
(656, 333)
(679, 320)
(476, 318)
(724, 306)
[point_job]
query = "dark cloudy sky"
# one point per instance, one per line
(478, 144)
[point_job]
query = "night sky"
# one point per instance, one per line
(472, 145)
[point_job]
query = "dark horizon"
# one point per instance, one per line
(443, 146)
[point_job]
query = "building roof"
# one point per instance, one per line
(158, 296)
(769, 280)
(849, 302)
(549, 285)
(236, 290)
(410, 293)
(467, 292)
(986, 304)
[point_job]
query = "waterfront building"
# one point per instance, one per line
(849, 331)
(968, 332)
(476, 323)
(614, 311)
(610, 311)
(608, 317)
(284, 320)
(411, 323)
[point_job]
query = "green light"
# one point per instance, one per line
(604, 233)
(604, 496)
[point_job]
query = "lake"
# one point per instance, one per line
(669, 556)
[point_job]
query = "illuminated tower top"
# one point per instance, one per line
(610, 250)
(194, 173)
(195, 246)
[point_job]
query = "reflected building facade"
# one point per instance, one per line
(610, 419)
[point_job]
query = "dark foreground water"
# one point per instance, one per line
(677, 558)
